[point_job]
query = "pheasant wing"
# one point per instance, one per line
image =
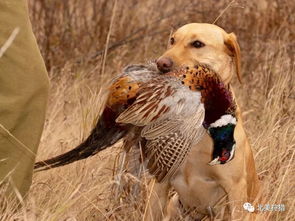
(171, 116)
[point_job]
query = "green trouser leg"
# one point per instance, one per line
(23, 97)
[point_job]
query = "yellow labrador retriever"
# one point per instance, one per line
(201, 187)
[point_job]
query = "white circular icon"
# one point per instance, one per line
(249, 207)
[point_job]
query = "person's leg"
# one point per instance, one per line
(23, 97)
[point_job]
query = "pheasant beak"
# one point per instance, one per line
(225, 157)
(215, 162)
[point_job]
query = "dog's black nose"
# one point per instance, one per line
(164, 64)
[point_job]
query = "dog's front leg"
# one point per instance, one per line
(157, 201)
(237, 196)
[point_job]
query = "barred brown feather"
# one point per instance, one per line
(170, 123)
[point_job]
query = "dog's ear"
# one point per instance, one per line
(234, 50)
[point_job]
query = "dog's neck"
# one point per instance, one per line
(226, 72)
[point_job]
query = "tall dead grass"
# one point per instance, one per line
(73, 36)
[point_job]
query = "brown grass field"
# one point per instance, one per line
(86, 43)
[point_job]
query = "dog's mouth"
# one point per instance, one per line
(175, 69)
(165, 71)
(183, 67)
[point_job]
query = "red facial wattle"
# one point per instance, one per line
(225, 155)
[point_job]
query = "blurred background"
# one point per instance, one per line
(87, 42)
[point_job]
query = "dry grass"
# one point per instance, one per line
(73, 36)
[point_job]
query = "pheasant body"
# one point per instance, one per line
(170, 111)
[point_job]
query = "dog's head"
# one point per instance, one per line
(200, 43)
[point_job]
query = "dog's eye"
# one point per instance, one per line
(198, 44)
(172, 40)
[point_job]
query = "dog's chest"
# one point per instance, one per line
(196, 182)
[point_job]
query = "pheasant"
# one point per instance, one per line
(167, 113)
